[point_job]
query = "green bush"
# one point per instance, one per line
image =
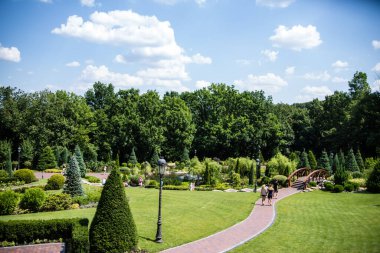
(74, 232)
(55, 182)
(53, 170)
(349, 187)
(263, 180)
(338, 188)
(373, 181)
(152, 184)
(93, 179)
(33, 199)
(328, 186)
(57, 202)
(281, 164)
(25, 175)
(175, 187)
(3, 174)
(357, 174)
(360, 182)
(282, 180)
(8, 202)
(312, 184)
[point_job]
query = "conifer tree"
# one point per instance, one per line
(72, 184)
(113, 228)
(342, 159)
(8, 163)
(351, 162)
(207, 175)
(117, 160)
(79, 157)
(47, 159)
(331, 158)
(65, 155)
(324, 161)
(258, 171)
(261, 157)
(312, 160)
(237, 169)
(373, 181)
(154, 159)
(304, 161)
(359, 160)
(185, 159)
(133, 158)
(340, 175)
(251, 173)
(335, 164)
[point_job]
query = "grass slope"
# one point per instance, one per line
(186, 216)
(322, 222)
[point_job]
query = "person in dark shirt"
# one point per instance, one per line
(270, 194)
(275, 187)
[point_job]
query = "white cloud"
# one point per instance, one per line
(88, 3)
(200, 59)
(46, 1)
(337, 79)
(200, 3)
(120, 59)
(10, 54)
(73, 64)
(340, 65)
(202, 84)
(271, 55)
(296, 38)
(376, 68)
(290, 70)
(243, 62)
(275, 3)
(325, 76)
(376, 85)
(376, 44)
(311, 92)
(269, 83)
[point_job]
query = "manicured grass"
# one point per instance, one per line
(186, 216)
(322, 222)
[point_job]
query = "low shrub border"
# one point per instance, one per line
(74, 232)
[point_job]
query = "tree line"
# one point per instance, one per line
(217, 121)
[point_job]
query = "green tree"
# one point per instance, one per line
(351, 162)
(373, 181)
(251, 173)
(359, 160)
(312, 160)
(26, 154)
(79, 158)
(304, 160)
(207, 175)
(133, 158)
(65, 155)
(113, 228)
(340, 175)
(359, 86)
(185, 159)
(258, 170)
(154, 159)
(342, 159)
(72, 184)
(47, 159)
(324, 161)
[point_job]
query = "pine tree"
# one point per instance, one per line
(47, 159)
(79, 157)
(340, 175)
(342, 159)
(261, 157)
(304, 161)
(351, 162)
(185, 159)
(8, 163)
(258, 171)
(133, 158)
(373, 181)
(359, 160)
(65, 155)
(237, 169)
(312, 160)
(117, 160)
(207, 175)
(26, 152)
(324, 161)
(72, 184)
(154, 159)
(57, 153)
(251, 173)
(331, 158)
(335, 164)
(113, 228)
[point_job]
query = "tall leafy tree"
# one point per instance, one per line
(351, 162)
(79, 158)
(312, 160)
(185, 159)
(72, 184)
(47, 159)
(113, 228)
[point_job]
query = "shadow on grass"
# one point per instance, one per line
(148, 239)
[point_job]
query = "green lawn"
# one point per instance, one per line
(186, 216)
(322, 222)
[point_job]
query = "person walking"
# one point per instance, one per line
(263, 194)
(275, 187)
(270, 194)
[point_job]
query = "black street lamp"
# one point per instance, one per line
(161, 171)
(257, 172)
(19, 151)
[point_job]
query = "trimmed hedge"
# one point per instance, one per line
(33, 199)
(74, 232)
(25, 175)
(8, 202)
(55, 182)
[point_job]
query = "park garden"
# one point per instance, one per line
(225, 142)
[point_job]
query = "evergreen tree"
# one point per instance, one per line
(79, 157)
(237, 169)
(133, 158)
(335, 164)
(359, 160)
(72, 184)
(342, 159)
(351, 162)
(312, 160)
(258, 171)
(340, 175)
(26, 152)
(373, 181)
(47, 159)
(331, 158)
(154, 159)
(117, 160)
(324, 161)
(113, 228)
(57, 153)
(8, 163)
(185, 159)
(65, 155)
(261, 157)
(304, 161)
(207, 175)
(251, 173)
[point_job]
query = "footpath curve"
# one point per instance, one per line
(261, 218)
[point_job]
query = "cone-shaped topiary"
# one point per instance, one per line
(340, 175)
(79, 157)
(154, 159)
(113, 228)
(312, 160)
(359, 160)
(324, 161)
(342, 159)
(47, 159)
(72, 184)
(304, 160)
(373, 181)
(133, 158)
(185, 157)
(351, 161)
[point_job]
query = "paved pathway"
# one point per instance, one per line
(37, 248)
(259, 220)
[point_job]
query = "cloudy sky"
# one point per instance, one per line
(294, 50)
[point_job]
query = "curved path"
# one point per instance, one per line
(257, 222)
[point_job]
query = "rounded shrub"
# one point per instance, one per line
(25, 175)
(263, 180)
(3, 174)
(8, 202)
(338, 188)
(357, 174)
(55, 182)
(373, 181)
(312, 184)
(93, 179)
(33, 199)
(328, 186)
(282, 180)
(57, 202)
(348, 187)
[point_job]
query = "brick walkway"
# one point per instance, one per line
(259, 220)
(37, 248)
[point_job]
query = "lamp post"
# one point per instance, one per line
(257, 172)
(19, 151)
(161, 170)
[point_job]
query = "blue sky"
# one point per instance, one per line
(294, 50)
